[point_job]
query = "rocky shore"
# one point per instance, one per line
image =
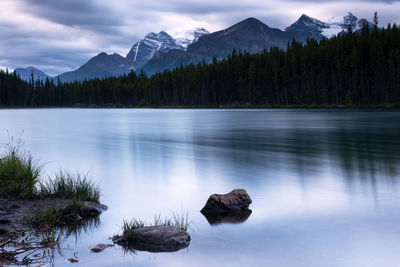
(19, 237)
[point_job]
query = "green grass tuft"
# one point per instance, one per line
(179, 220)
(133, 224)
(21, 177)
(50, 238)
(19, 173)
(70, 186)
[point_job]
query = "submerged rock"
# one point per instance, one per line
(154, 239)
(235, 201)
(72, 260)
(232, 217)
(100, 248)
(92, 209)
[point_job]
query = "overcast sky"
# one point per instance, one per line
(60, 35)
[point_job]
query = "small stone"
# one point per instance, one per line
(72, 260)
(100, 248)
(92, 209)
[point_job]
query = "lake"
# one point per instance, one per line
(324, 183)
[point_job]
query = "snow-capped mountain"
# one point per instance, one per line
(185, 38)
(342, 23)
(317, 29)
(310, 27)
(143, 50)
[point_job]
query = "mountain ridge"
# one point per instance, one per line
(159, 51)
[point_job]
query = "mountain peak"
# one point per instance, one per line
(251, 20)
(318, 30)
(304, 16)
(26, 73)
(308, 26)
(343, 23)
(143, 50)
(186, 37)
(350, 15)
(163, 33)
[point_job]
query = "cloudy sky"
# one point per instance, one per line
(60, 35)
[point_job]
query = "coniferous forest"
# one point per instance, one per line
(354, 69)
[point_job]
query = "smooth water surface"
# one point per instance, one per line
(324, 183)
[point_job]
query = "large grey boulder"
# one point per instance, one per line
(154, 239)
(235, 201)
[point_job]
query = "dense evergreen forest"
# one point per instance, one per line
(360, 68)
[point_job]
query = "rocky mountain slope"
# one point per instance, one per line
(100, 66)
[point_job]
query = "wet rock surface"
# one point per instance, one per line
(92, 209)
(232, 202)
(72, 260)
(100, 247)
(154, 239)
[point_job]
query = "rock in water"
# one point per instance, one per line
(72, 260)
(234, 201)
(92, 209)
(100, 248)
(155, 239)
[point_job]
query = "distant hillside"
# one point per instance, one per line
(26, 74)
(100, 66)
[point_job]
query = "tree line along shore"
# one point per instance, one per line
(356, 69)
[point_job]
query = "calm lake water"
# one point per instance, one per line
(324, 183)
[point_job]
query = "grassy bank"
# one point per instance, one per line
(21, 176)
(20, 173)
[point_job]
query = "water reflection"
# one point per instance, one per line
(232, 217)
(40, 249)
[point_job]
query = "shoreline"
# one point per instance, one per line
(112, 106)
(19, 238)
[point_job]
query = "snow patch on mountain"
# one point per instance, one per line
(185, 38)
(343, 23)
(143, 50)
